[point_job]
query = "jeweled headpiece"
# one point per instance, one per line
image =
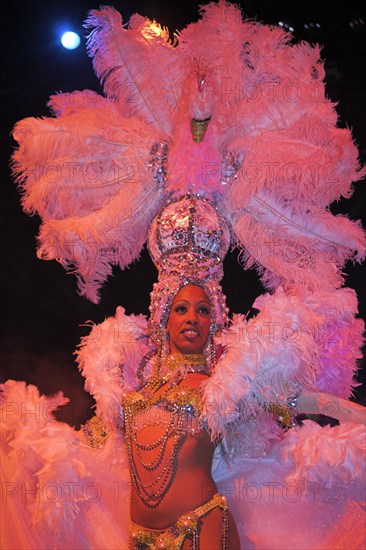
(188, 241)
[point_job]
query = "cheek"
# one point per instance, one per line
(206, 328)
(172, 325)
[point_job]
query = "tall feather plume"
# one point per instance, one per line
(308, 248)
(126, 62)
(295, 163)
(65, 164)
(216, 66)
(208, 73)
(114, 235)
(307, 164)
(87, 174)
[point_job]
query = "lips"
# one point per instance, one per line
(190, 333)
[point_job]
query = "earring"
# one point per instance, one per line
(163, 350)
(211, 351)
(140, 372)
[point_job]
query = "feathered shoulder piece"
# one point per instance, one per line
(294, 344)
(108, 359)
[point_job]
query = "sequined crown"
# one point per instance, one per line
(189, 238)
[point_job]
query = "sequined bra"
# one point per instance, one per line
(179, 407)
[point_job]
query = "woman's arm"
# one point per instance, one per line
(330, 405)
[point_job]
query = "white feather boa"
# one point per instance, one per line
(52, 472)
(294, 344)
(108, 359)
(326, 453)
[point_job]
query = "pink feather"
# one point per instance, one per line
(128, 61)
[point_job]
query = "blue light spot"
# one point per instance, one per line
(70, 40)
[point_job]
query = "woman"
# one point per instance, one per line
(183, 451)
(194, 170)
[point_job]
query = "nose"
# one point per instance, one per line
(192, 316)
(192, 321)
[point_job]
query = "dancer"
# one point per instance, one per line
(194, 169)
(168, 445)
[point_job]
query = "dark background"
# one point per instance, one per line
(42, 315)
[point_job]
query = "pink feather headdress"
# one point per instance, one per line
(230, 111)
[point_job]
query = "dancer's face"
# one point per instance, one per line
(189, 321)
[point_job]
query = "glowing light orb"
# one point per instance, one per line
(70, 40)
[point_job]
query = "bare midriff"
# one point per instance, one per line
(191, 483)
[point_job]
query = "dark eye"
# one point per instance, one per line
(204, 310)
(180, 309)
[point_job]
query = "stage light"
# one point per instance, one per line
(286, 26)
(312, 27)
(357, 24)
(70, 40)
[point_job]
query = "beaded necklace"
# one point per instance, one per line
(174, 370)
